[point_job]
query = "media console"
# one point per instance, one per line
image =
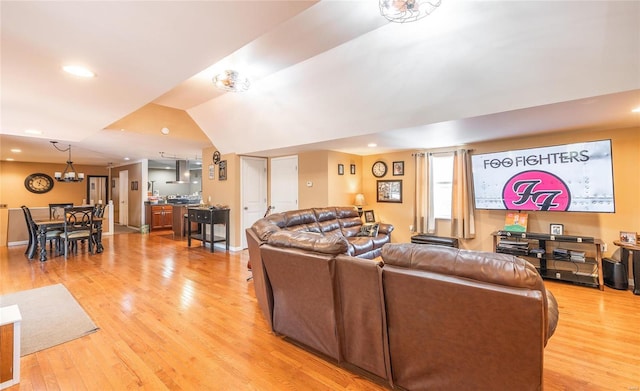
(576, 259)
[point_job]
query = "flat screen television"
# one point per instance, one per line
(571, 177)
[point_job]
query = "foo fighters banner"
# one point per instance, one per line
(571, 177)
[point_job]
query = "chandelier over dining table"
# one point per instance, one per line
(69, 174)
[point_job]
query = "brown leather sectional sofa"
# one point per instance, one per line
(427, 318)
(343, 222)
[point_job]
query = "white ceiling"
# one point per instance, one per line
(325, 75)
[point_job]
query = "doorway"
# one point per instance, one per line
(284, 184)
(97, 189)
(253, 172)
(123, 210)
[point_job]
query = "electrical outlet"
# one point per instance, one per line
(411, 228)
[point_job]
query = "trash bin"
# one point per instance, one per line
(144, 229)
(615, 274)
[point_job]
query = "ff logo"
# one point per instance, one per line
(536, 190)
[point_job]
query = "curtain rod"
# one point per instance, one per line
(423, 154)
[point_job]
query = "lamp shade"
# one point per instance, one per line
(359, 200)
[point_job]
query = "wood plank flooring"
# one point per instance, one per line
(180, 318)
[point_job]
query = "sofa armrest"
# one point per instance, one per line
(385, 228)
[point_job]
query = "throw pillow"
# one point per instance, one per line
(369, 230)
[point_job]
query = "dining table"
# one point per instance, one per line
(43, 226)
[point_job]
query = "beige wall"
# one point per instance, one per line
(312, 166)
(606, 226)
(13, 193)
(329, 188)
(225, 192)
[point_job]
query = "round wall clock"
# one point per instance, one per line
(216, 157)
(379, 169)
(38, 183)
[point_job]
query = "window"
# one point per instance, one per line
(442, 176)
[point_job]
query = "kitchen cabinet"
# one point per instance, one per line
(159, 216)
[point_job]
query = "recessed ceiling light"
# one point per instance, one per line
(79, 71)
(16, 150)
(126, 158)
(372, 145)
(164, 131)
(33, 131)
(636, 110)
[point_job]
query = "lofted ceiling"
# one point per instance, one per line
(325, 75)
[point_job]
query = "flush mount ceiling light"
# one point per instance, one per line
(401, 11)
(231, 81)
(69, 173)
(79, 71)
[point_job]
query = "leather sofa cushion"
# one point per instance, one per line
(501, 269)
(311, 241)
(495, 268)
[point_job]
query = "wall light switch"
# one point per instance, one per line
(309, 184)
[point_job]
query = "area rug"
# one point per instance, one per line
(50, 316)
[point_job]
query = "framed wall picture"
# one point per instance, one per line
(389, 191)
(398, 168)
(369, 216)
(629, 238)
(353, 169)
(212, 170)
(222, 170)
(340, 169)
(556, 229)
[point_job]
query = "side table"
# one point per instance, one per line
(625, 250)
(10, 319)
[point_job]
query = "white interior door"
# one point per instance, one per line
(123, 214)
(253, 174)
(284, 183)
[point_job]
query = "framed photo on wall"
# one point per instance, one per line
(340, 169)
(389, 191)
(398, 168)
(222, 170)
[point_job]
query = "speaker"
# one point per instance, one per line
(615, 274)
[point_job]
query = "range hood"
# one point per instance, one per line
(182, 172)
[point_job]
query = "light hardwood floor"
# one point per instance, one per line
(174, 317)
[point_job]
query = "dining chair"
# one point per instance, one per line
(78, 225)
(98, 212)
(52, 236)
(56, 211)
